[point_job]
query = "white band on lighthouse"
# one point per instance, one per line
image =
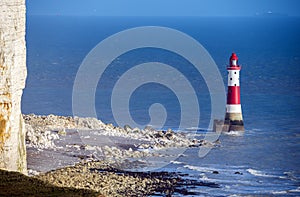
(233, 78)
(233, 108)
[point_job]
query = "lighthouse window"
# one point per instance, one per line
(234, 72)
(234, 84)
(230, 78)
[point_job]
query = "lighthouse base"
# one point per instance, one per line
(232, 122)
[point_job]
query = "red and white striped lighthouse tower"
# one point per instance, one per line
(233, 116)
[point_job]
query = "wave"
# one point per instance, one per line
(261, 174)
(279, 192)
(200, 169)
(196, 129)
(176, 162)
(220, 168)
(234, 133)
(297, 190)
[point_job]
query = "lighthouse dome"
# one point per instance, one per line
(234, 57)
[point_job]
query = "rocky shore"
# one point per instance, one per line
(41, 131)
(86, 154)
(90, 139)
(97, 179)
(109, 181)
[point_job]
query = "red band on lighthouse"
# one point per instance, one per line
(233, 94)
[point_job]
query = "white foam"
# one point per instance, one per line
(219, 168)
(200, 169)
(176, 162)
(260, 173)
(204, 177)
(279, 192)
(196, 129)
(295, 190)
(234, 133)
(287, 191)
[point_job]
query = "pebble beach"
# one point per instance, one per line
(61, 151)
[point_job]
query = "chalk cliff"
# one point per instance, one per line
(12, 81)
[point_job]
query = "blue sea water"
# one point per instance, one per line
(267, 156)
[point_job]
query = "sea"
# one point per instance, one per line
(265, 160)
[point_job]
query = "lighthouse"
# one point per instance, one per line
(233, 118)
(233, 115)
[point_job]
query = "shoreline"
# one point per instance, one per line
(72, 140)
(85, 153)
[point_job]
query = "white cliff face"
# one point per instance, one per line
(12, 82)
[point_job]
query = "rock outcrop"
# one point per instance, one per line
(12, 81)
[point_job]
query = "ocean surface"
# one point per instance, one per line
(265, 160)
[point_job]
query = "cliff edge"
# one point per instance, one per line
(12, 82)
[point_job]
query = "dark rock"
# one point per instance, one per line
(238, 173)
(159, 134)
(169, 136)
